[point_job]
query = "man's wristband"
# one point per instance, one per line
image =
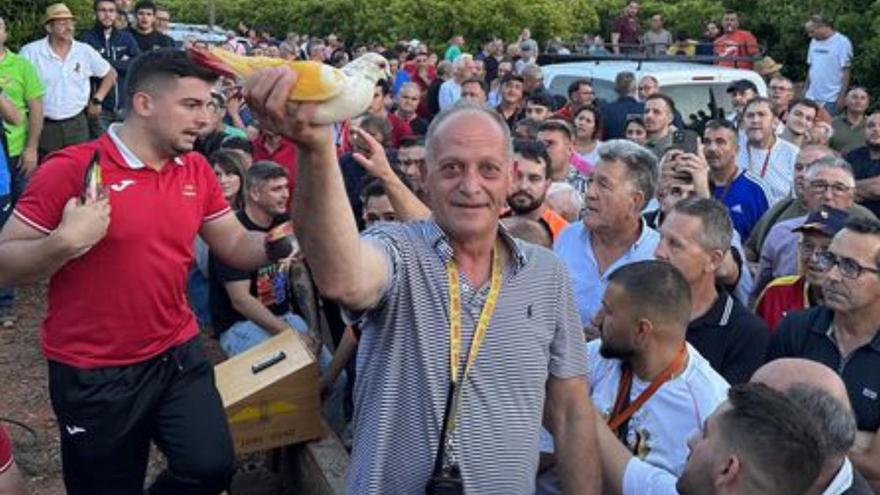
(97, 101)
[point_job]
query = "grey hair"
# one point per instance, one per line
(531, 69)
(717, 228)
(466, 107)
(830, 163)
(836, 420)
(641, 164)
(572, 196)
(461, 61)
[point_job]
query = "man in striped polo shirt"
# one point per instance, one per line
(420, 289)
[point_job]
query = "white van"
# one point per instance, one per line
(688, 84)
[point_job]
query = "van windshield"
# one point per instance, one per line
(692, 98)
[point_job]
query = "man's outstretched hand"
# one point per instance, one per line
(266, 93)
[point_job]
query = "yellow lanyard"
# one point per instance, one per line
(455, 324)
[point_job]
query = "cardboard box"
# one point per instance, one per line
(274, 406)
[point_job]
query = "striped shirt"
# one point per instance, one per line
(403, 366)
(777, 170)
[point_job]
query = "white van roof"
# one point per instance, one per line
(667, 73)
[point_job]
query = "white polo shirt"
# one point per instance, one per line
(66, 80)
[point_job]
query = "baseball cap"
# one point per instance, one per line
(827, 221)
(742, 85)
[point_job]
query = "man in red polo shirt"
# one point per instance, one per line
(125, 365)
(10, 478)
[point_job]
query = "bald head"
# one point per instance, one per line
(783, 374)
(810, 153)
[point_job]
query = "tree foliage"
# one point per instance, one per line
(777, 23)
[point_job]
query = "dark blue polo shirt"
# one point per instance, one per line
(865, 167)
(731, 338)
(807, 334)
(614, 116)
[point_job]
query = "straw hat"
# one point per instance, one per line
(767, 66)
(57, 11)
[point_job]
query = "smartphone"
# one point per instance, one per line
(685, 141)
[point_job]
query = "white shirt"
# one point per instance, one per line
(66, 81)
(827, 59)
(779, 173)
(659, 430)
(641, 478)
(842, 480)
(450, 92)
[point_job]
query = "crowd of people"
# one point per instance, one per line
(647, 307)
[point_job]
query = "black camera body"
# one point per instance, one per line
(445, 484)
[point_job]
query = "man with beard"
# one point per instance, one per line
(849, 125)
(758, 441)
(250, 306)
(866, 166)
(842, 334)
(741, 92)
(801, 115)
(127, 366)
(117, 47)
(651, 387)
(530, 183)
(763, 154)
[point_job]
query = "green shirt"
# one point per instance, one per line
(20, 83)
(847, 137)
(452, 53)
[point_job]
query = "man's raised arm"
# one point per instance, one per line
(346, 268)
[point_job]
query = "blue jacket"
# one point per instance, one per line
(119, 49)
(615, 114)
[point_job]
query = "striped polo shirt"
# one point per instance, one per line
(403, 365)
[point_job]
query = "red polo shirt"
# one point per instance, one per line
(124, 301)
(5, 451)
(285, 156)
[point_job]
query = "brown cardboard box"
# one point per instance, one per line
(279, 405)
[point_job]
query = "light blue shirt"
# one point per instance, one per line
(450, 92)
(573, 246)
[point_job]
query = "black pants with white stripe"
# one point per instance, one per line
(108, 416)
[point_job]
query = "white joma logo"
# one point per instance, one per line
(122, 185)
(73, 430)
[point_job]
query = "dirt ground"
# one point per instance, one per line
(24, 398)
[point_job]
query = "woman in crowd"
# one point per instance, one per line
(587, 129)
(634, 130)
(229, 169)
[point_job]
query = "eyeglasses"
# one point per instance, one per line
(820, 187)
(849, 268)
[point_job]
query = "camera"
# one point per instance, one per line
(446, 483)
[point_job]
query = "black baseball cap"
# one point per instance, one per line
(742, 85)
